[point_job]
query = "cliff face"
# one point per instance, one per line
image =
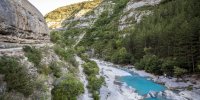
(56, 18)
(21, 22)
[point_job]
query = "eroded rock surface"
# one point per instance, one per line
(21, 22)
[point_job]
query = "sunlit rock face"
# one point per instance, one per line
(21, 22)
(60, 17)
(132, 15)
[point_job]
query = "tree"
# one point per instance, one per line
(67, 89)
(168, 66)
(178, 72)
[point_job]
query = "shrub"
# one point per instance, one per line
(168, 66)
(34, 55)
(198, 67)
(140, 65)
(73, 61)
(73, 70)
(91, 68)
(190, 88)
(95, 95)
(67, 55)
(16, 76)
(178, 72)
(56, 70)
(61, 52)
(44, 69)
(150, 63)
(55, 36)
(67, 89)
(121, 56)
(94, 84)
(80, 50)
(85, 57)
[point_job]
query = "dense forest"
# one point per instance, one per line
(165, 42)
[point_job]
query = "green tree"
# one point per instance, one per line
(91, 68)
(168, 66)
(178, 72)
(16, 76)
(34, 55)
(67, 89)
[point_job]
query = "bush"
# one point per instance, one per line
(73, 70)
(61, 52)
(91, 68)
(198, 67)
(55, 36)
(56, 70)
(44, 69)
(95, 83)
(121, 56)
(140, 65)
(85, 57)
(67, 89)
(178, 72)
(16, 76)
(190, 88)
(168, 66)
(67, 55)
(150, 63)
(34, 55)
(80, 50)
(73, 61)
(95, 95)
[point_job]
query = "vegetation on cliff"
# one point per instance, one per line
(16, 76)
(164, 42)
(67, 89)
(170, 32)
(69, 11)
(94, 83)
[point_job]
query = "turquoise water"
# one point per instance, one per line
(142, 85)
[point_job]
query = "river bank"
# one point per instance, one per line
(186, 88)
(113, 91)
(86, 95)
(176, 90)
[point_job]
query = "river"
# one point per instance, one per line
(126, 85)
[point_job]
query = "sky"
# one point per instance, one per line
(45, 6)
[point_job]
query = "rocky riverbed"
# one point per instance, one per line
(176, 90)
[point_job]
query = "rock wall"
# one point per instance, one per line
(89, 18)
(133, 16)
(21, 22)
(56, 19)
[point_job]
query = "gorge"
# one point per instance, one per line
(101, 50)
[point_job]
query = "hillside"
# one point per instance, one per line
(30, 69)
(130, 31)
(55, 18)
(101, 50)
(159, 36)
